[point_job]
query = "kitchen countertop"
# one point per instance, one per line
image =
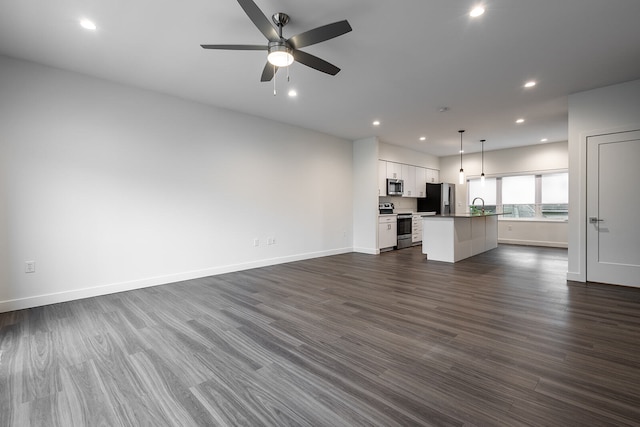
(408, 213)
(464, 215)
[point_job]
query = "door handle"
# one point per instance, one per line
(595, 220)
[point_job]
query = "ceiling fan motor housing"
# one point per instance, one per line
(280, 19)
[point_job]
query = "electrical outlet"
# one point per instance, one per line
(29, 266)
(271, 241)
(256, 242)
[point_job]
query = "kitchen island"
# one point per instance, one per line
(451, 238)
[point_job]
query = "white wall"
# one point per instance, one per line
(534, 158)
(109, 187)
(365, 197)
(609, 109)
(554, 234)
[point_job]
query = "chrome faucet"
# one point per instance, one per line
(474, 201)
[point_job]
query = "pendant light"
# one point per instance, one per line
(461, 179)
(482, 174)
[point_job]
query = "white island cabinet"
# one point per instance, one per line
(451, 238)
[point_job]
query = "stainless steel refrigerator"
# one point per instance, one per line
(441, 199)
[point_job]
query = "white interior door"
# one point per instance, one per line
(613, 208)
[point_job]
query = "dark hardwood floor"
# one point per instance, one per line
(348, 340)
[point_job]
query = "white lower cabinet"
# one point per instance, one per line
(387, 231)
(416, 229)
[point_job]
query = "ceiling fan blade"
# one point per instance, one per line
(259, 20)
(315, 62)
(268, 72)
(320, 34)
(235, 46)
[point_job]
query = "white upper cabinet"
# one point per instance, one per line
(394, 170)
(414, 177)
(409, 177)
(421, 180)
(433, 175)
(382, 178)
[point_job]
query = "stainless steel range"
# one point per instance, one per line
(404, 230)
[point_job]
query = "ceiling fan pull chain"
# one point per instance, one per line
(288, 78)
(274, 80)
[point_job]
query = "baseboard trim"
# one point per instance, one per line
(576, 277)
(53, 298)
(534, 243)
(368, 251)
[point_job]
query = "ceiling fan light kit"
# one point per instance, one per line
(283, 52)
(279, 54)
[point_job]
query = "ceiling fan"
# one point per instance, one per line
(282, 52)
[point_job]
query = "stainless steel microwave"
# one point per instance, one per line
(395, 187)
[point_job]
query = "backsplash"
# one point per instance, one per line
(402, 204)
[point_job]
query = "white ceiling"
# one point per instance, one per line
(402, 62)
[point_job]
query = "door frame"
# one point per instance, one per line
(582, 208)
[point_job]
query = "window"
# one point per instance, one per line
(523, 196)
(519, 196)
(486, 193)
(555, 196)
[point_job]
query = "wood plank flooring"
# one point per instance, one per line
(500, 339)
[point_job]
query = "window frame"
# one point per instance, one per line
(538, 206)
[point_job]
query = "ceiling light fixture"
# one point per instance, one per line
(530, 84)
(482, 163)
(376, 123)
(520, 121)
(423, 138)
(476, 11)
(279, 54)
(293, 93)
(544, 140)
(461, 176)
(87, 24)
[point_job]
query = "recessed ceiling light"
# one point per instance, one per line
(376, 123)
(544, 140)
(520, 121)
(530, 84)
(476, 11)
(461, 151)
(87, 24)
(423, 138)
(293, 93)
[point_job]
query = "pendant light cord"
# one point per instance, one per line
(461, 131)
(482, 148)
